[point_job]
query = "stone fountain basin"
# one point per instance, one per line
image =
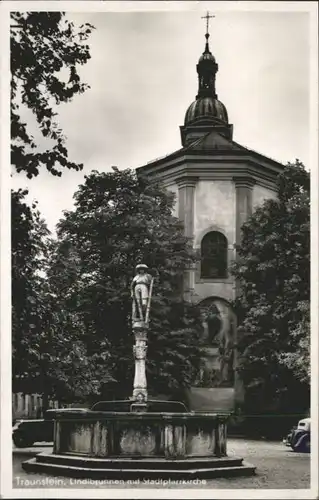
(133, 445)
(106, 434)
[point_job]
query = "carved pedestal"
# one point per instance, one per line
(139, 351)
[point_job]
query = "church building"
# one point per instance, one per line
(217, 183)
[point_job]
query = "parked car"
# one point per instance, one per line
(27, 432)
(299, 436)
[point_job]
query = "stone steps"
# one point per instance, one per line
(135, 463)
(84, 467)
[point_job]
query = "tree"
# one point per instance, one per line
(298, 359)
(74, 373)
(29, 252)
(273, 270)
(49, 356)
(118, 221)
(46, 51)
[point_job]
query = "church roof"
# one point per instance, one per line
(211, 144)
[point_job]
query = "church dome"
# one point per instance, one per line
(206, 109)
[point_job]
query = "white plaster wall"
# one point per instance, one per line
(173, 188)
(215, 205)
(215, 208)
(260, 194)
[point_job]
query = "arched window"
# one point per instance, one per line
(214, 255)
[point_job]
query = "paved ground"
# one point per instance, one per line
(277, 467)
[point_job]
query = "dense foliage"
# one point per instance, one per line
(29, 253)
(46, 51)
(273, 270)
(46, 359)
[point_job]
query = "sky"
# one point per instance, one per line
(142, 77)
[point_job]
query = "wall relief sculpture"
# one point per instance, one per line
(217, 369)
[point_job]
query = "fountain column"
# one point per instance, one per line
(141, 292)
(139, 351)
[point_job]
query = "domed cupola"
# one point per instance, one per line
(206, 111)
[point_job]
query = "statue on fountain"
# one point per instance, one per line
(141, 293)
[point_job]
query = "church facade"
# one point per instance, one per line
(217, 183)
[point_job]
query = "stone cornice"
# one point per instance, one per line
(186, 181)
(218, 173)
(244, 181)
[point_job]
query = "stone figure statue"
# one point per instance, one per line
(141, 292)
(214, 324)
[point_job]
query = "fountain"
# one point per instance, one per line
(139, 438)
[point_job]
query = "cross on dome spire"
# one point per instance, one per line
(207, 17)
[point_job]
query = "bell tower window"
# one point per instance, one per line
(214, 256)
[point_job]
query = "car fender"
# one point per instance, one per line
(299, 441)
